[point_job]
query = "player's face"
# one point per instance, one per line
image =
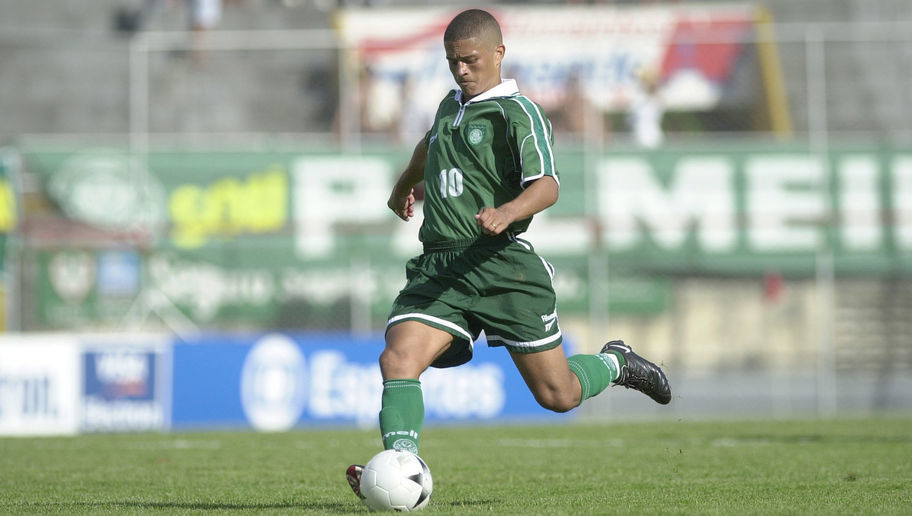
(475, 64)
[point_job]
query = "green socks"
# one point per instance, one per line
(401, 414)
(595, 372)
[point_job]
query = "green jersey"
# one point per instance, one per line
(482, 152)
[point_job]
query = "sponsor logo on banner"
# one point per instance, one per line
(72, 275)
(256, 205)
(109, 189)
(118, 273)
(273, 383)
(203, 288)
(121, 390)
(342, 388)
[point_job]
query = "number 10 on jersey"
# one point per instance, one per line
(450, 183)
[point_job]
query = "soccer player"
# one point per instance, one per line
(488, 167)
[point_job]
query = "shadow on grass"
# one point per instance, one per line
(319, 506)
(324, 507)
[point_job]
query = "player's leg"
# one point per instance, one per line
(426, 327)
(551, 381)
(411, 347)
(560, 383)
(522, 316)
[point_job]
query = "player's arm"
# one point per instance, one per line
(402, 199)
(538, 195)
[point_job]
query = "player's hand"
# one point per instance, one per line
(492, 221)
(402, 205)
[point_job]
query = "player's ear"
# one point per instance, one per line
(499, 52)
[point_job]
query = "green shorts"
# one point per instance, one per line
(497, 285)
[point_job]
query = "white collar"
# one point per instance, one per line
(506, 88)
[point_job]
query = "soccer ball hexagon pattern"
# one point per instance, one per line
(396, 480)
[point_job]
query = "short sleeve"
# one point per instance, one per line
(533, 140)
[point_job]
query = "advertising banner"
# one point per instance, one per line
(39, 385)
(64, 384)
(303, 239)
(275, 382)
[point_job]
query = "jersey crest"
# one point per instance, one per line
(475, 134)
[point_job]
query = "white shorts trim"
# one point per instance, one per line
(436, 320)
(528, 345)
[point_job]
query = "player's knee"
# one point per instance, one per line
(395, 363)
(391, 360)
(556, 401)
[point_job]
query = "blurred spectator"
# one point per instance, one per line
(578, 115)
(380, 101)
(646, 111)
(130, 16)
(418, 110)
(571, 115)
(204, 16)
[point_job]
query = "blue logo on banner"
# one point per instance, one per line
(118, 273)
(273, 383)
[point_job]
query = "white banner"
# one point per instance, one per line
(40, 382)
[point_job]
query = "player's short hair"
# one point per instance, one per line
(473, 23)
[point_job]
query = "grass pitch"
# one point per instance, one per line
(859, 466)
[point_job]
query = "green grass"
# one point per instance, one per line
(856, 466)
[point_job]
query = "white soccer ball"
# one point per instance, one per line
(396, 480)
